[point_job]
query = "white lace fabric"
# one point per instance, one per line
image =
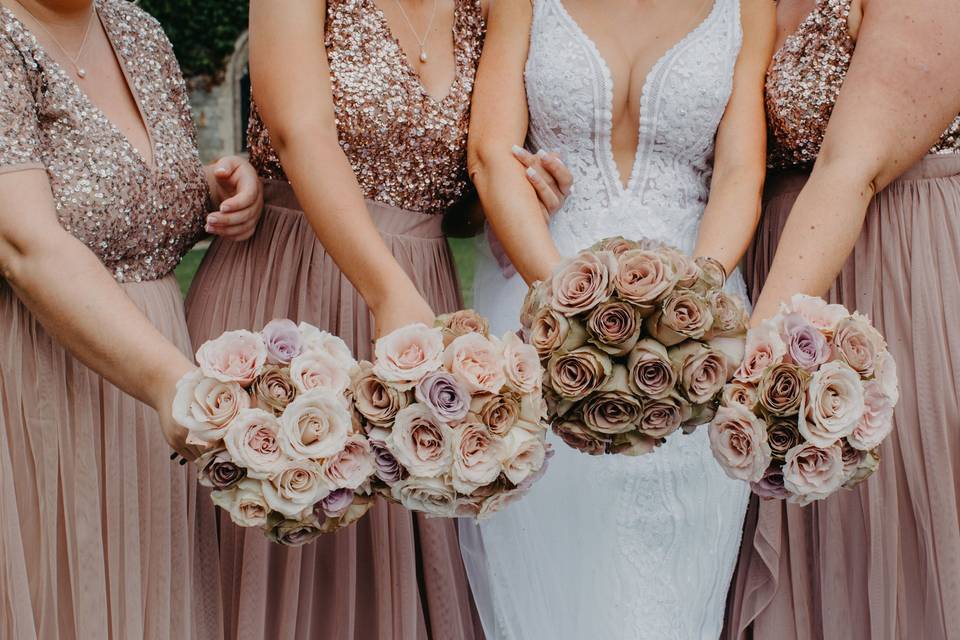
(616, 547)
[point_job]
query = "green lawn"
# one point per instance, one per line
(463, 253)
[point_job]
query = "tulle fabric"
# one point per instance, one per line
(99, 530)
(881, 562)
(394, 574)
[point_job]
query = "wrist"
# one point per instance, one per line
(162, 384)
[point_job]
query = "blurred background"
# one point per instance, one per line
(210, 39)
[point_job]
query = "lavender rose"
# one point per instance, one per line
(661, 417)
(644, 278)
(334, 505)
(446, 399)
(813, 473)
(576, 435)
(274, 389)
(770, 486)
(683, 315)
(739, 443)
(582, 282)
(817, 312)
(650, 372)
(782, 389)
(576, 374)
(614, 327)
(385, 464)
(283, 341)
(806, 346)
(833, 404)
(218, 470)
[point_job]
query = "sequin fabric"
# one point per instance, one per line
(407, 149)
(803, 83)
(139, 220)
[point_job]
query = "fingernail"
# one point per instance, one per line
(517, 151)
(531, 172)
(183, 461)
(173, 456)
(541, 154)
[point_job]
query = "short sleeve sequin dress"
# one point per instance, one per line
(881, 562)
(393, 575)
(97, 525)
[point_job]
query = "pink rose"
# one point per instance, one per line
(806, 346)
(684, 315)
(576, 374)
(316, 340)
(877, 420)
(296, 488)
(858, 344)
(833, 404)
(813, 473)
(462, 322)
(476, 457)
(420, 443)
(614, 327)
(579, 437)
(236, 356)
(582, 282)
(644, 278)
(206, 407)
(352, 466)
(476, 363)
(661, 417)
(315, 425)
(816, 311)
(407, 354)
(521, 364)
(885, 373)
(702, 371)
(764, 348)
(253, 442)
(318, 370)
(739, 443)
(283, 341)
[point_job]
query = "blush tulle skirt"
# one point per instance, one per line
(393, 575)
(881, 562)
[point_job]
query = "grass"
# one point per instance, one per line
(463, 254)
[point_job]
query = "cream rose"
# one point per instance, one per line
(236, 356)
(813, 473)
(207, 406)
(407, 354)
(877, 420)
(816, 311)
(521, 364)
(522, 455)
(324, 342)
(245, 504)
(296, 488)
(319, 370)
(858, 344)
(315, 425)
(352, 467)
(476, 457)
(739, 443)
(462, 322)
(833, 404)
(420, 443)
(764, 348)
(254, 443)
(432, 496)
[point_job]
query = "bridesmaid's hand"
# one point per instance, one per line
(549, 176)
(237, 191)
(173, 432)
(401, 310)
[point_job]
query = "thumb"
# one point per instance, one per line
(225, 168)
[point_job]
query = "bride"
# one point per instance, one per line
(653, 105)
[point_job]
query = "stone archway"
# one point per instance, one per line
(237, 76)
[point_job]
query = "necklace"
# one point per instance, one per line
(74, 60)
(421, 41)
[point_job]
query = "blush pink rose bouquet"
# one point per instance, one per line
(809, 405)
(637, 341)
(271, 411)
(454, 416)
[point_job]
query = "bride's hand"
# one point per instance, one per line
(549, 176)
(400, 310)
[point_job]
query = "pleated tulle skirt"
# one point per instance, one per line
(98, 528)
(393, 575)
(881, 562)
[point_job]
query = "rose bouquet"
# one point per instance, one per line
(637, 340)
(271, 412)
(455, 417)
(809, 405)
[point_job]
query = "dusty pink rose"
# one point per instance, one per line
(713, 275)
(244, 502)
(352, 466)
(315, 425)
(316, 340)
(582, 282)
(770, 486)
(296, 488)
(833, 404)
(684, 315)
(283, 341)
(740, 393)
(885, 373)
(730, 318)
(614, 327)
(686, 268)
(294, 533)
(661, 417)
(319, 370)
(702, 371)
(377, 401)
(409, 353)
(462, 322)
(632, 444)
(432, 496)
(476, 457)
(650, 372)
(579, 437)
(764, 348)
(521, 364)
(274, 389)
(782, 389)
(236, 356)
(806, 345)
(644, 278)
(857, 343)
(206, 407)
(254, 443)
(739, 443)
(578, 373)
(420, 443)
(813, 473)
(616, 245)
(548, 330)
(536, 299)
(476, 362)
(613, 409)
(877, 420)
(816, 311)
(218, 470)
(334, 505)
(522, 455)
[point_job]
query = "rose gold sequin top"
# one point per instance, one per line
(407, 149)
(803, 84)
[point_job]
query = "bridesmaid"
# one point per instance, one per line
(370, 125)
(101, 193)
(871, 204)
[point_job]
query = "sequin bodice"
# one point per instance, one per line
(139, 220)
(407, 149)
(803, 83)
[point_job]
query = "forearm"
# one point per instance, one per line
(90, 315)
(513, 211)
(819, 235)
(731, 217)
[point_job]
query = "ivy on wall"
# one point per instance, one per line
(203, 32)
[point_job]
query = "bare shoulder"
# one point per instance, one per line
(759, 18)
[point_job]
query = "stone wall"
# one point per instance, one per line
(219, 108)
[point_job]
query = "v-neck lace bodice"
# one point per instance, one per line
(570, 96)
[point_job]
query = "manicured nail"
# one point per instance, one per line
(531, 172)
(541, 154)
(183, 461)
(173, 456)
(517, 151)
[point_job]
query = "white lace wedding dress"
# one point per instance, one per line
(616, 547)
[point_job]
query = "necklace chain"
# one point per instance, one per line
(74, 60)
(426, 34)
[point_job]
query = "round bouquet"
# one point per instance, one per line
(637, 340)
(281, 450)
(455, 417)
(809, 405)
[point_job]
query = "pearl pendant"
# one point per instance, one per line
(423, 56)
(81, 73)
